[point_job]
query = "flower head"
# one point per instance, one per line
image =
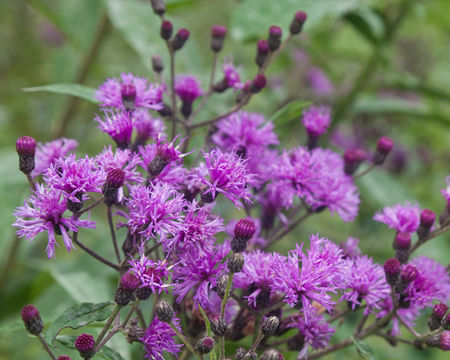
(159, 337)
(403, 218)
(231, 76)
(43, 211)
(48, 153)
(228, 175)
(316, 120)
(129, 91)
(188, 88)
(118, 125)
(147, 127)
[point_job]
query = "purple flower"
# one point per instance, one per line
(350, 248)
(199, 272)
(228, 175)
(155, 210)
(147, 127)
(120, 159)
(199, 230)
(312, 276)
(316, 332)
(319, 82)
(118, 125)
(47, 153)
(188, 88)
(119, 93)
(247, 133)
(231, 76)
(403, 218)
(445, 192)
(256, 276)
(366, 281)
(159, 337)
(316, 120)
(75, 177)
(43, 211)
(151, 274)
(256, 240)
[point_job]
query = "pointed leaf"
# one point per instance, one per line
(77, 90)
(364, 350)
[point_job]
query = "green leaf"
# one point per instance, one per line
(364, 350)
(78, 316)
(76, 90)
(110, 354)
(292, 110)
(367, 22)
(252, 18)
(67, 341)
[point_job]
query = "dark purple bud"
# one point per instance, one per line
(128, 93)
(32, 319)
(221, 286)
(164, 311)
(166, 30)
(274, 39)
(438, 314)
(115, 178)
(85, 345)
(270, 325)
(297, 23)
(129, 282)
(143, 293)
(446, 322)
(352, 159)
(123, 297)
(180, 39)
(26, 149)
(205, 345)
(262, 52)
(427, 218)
(64, 357)
(236, 263)
(384, 147)
(166, 110)
(408, 275)
(402, 241)
(158, 6)
(272, 354)
(238, 245)
(252, 355)
(133, 332)
(218, 325)
(218, 33)
(157, 64)
(444, 341)
(258, 83)
(392, 270)
(244, 229)
(240, 353)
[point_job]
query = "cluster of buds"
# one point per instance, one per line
(129, 283)
(438, 317)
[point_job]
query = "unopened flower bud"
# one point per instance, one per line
(236, 263)
(164, 311)
(157, 64)
(384, 147)
(166, 30)
(240, 353)
(352, 159)
(133, 332)
(114, 180)
(427, 218)
(85, 345)
(407, 276)
(272, 354)
(222, 282)
(258, 83)
(438, 314)
(128, 94)
(270, 325)
(446, 322)
(64, 357)
(244, 229)
(218, 33)
(180, 39)
(402, 243)
(127, 286)
(297, 23)
(158, 6)
(26, 149)
(218, 325)
(262, 52)
(143, 293)
(274, 39)
(392, 270)
(166, 110)
(441, 341)
(251, 356)
(32, 319)
(205, 345)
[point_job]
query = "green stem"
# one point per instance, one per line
(113, 233)
(185, 341)
(46, 347)
(107, 325)
(227, 295)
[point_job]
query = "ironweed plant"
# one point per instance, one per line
(213, 285)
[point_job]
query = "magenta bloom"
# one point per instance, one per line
(147, 127)
(199, 272)
(47, 153)
(366, 281)
(319, 82)
(118, 125)
(188, 88)
(316, 120)
(446, 192)
(75, 177)
(228, 175)
(155, 210)
(403, 218)
(116, 93)
(43, 211)
(313, 276)
(316, 332)
(120, 159)
(231, 76)
(159, 338)
(350, 248)
(151, 274)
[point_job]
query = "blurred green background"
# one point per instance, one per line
(383, 66)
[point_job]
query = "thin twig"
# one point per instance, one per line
(364, 172)
(90, 207)
(113, 233)
(291, 227)
(173, 98)
(185, 341)
(46, 347)
(432, 235)
(107, 325)
(31, 182)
